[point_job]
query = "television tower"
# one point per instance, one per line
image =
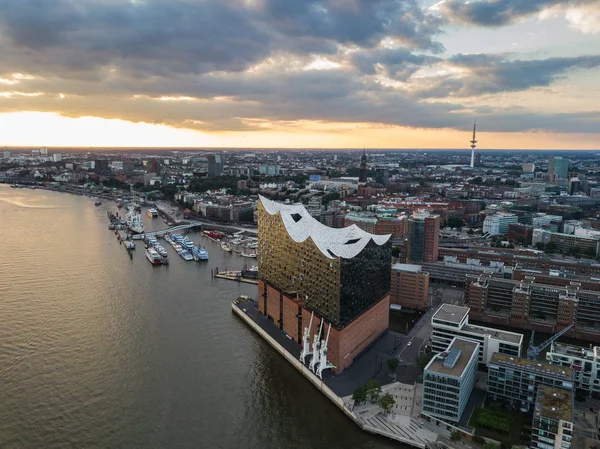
(473, 145)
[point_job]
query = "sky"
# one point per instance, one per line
(300, 74)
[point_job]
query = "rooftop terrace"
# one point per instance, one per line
(554, 403)
(532, 365)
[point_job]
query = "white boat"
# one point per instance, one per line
(161, 250)
(129, 244)
(134, 221)
(178, 247)
(199, 253)
(168, 239)
(153, 256)
(152, 213)
(185, 255)
(249, 255)
(225, 247)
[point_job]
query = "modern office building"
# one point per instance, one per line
(56, 157)
(585, 363)
(338, 276)
(528, 304)
(214, 165)
(515, 380)
(101, 166)
(552, 426)
(497, 224)
(448, 381)
(558, 168)
(410, 287)
(423, 234)
(451, 321)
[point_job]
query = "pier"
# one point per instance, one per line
(237, 276)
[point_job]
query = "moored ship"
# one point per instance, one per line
(154, 257)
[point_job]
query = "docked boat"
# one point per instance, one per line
(185, 255)
(187, 244)
(134, 221)
(154, 257)
(251, 272)
(199, 253)
(249, 254)
(160, 250)
(216, 235)
(98, 203)
(168, 239)
(225, 247)
(152, 213)
(177, 247)
(129, 244)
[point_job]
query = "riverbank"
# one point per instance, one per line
(404, 429)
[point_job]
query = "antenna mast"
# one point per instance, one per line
(473, 145)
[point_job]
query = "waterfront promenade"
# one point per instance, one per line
(403, 424)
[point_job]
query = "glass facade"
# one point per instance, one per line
(337, 289)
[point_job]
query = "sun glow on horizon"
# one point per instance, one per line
(55, 130)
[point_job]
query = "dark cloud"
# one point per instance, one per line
(490, 74)
(398, 63)
(243, 62)
(496, 13)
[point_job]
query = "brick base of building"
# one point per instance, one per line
(344, 345)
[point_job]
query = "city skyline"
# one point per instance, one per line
(335, 74)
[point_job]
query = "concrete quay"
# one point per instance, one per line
(402, 425)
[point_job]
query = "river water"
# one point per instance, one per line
(97, 350)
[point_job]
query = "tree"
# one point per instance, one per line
(331, 197)
(478, 439)
(550, 247)
(470, 232)
(373, 390)
(455, 222)
(360, 395)
(456, 436)
(590, 252)
(392, 364)
(423, 359)
(540, 246)
(395, 251)
(491, 445)
(387, 402)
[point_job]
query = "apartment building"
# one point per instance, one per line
(449, 379)
(585, 363)
(552, 426)
(451, 321)
(515, 380)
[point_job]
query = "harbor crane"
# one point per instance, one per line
(533, 351)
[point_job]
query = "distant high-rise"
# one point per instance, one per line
(362, 176)
(152, 166)
(101, 166)
(215, 165)
(423, 235)
(56, 157)
(558, 168)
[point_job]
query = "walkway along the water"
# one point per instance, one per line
(405, 429)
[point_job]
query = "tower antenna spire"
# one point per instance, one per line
(473, 145)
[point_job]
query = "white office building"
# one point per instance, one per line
(451, 321)
(497, 224)
(448, 381)
(56, 157)
(585, 363)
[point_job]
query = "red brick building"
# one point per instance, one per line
(410, 287)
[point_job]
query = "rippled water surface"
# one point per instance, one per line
(97, 350)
